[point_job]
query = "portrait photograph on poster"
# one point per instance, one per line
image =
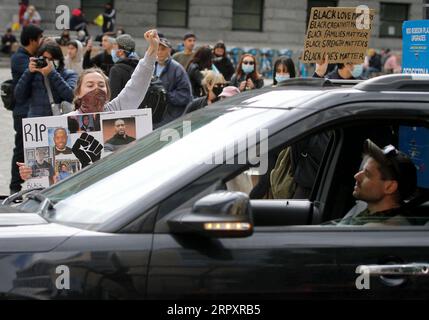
(118, 132)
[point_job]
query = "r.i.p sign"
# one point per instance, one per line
(415, 46)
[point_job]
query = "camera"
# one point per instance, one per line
(41, 62)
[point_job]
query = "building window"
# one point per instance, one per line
(93, 8)
(391, 17)
(319, 3)
(173, 13)
(247, 15)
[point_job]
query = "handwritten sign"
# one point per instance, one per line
(341, 33)
(57, 147)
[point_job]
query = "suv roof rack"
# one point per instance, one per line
(396, 82)
(317, 82)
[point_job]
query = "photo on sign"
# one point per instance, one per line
(65, 168)
(59, 140)
(40, 160)
(118, 132)
(84, 123)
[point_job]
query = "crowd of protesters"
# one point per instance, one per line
(66, 70)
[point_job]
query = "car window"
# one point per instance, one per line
(138, 172)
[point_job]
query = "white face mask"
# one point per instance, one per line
(282, 77)
(357, 70)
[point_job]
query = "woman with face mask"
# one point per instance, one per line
(213, 84)
(92, 93)
(284, 69)
(48, 68)
(222, 62)
(246, 76)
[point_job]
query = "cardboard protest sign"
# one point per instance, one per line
(415, 46)
(341, 33)
(58, 146)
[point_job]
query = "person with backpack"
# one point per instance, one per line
(30, 40)
(175, 81)
(126, 60)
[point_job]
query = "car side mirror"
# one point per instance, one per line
(221, 214)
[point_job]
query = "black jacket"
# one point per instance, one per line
(102, 60)
(225, 67)
(120, 73)
(196, 104)
(19, 64)
(196, 78)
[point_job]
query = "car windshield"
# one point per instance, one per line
(152, 164)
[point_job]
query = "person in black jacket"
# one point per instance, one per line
(222, 62)
(104, 59)
(30, 40)
(109, 18)
(7, 41)
(125, 60)
(202, 60)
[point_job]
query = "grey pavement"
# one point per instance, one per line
(6, 139)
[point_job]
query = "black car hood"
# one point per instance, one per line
(29, 232)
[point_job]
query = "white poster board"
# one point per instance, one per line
(56, 147)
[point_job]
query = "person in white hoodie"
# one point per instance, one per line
(74, 57)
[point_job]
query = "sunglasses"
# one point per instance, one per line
(390, 152)
(248, 62)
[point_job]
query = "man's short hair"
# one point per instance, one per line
(30, 32)
(189, 35)
(394, 165)
(60, 129)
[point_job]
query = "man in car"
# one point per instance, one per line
(387, 178)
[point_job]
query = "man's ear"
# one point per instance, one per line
(390, 186)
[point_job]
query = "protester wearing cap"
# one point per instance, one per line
(387, 178)
(126, 60)
(183, 57)
(174, 79)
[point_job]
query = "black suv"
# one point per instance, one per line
(171, 216)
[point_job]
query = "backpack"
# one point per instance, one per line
(156, 99)
(7, 95)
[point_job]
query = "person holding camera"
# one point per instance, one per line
(46, 79)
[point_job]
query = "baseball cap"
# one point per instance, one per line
(229, 91)
(398, 164)
(164, 41)
(126, 42)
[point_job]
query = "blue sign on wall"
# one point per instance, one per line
(415, 46)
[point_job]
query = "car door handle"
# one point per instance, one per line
(412, 269)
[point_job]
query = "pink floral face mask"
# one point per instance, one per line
(93, 101)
